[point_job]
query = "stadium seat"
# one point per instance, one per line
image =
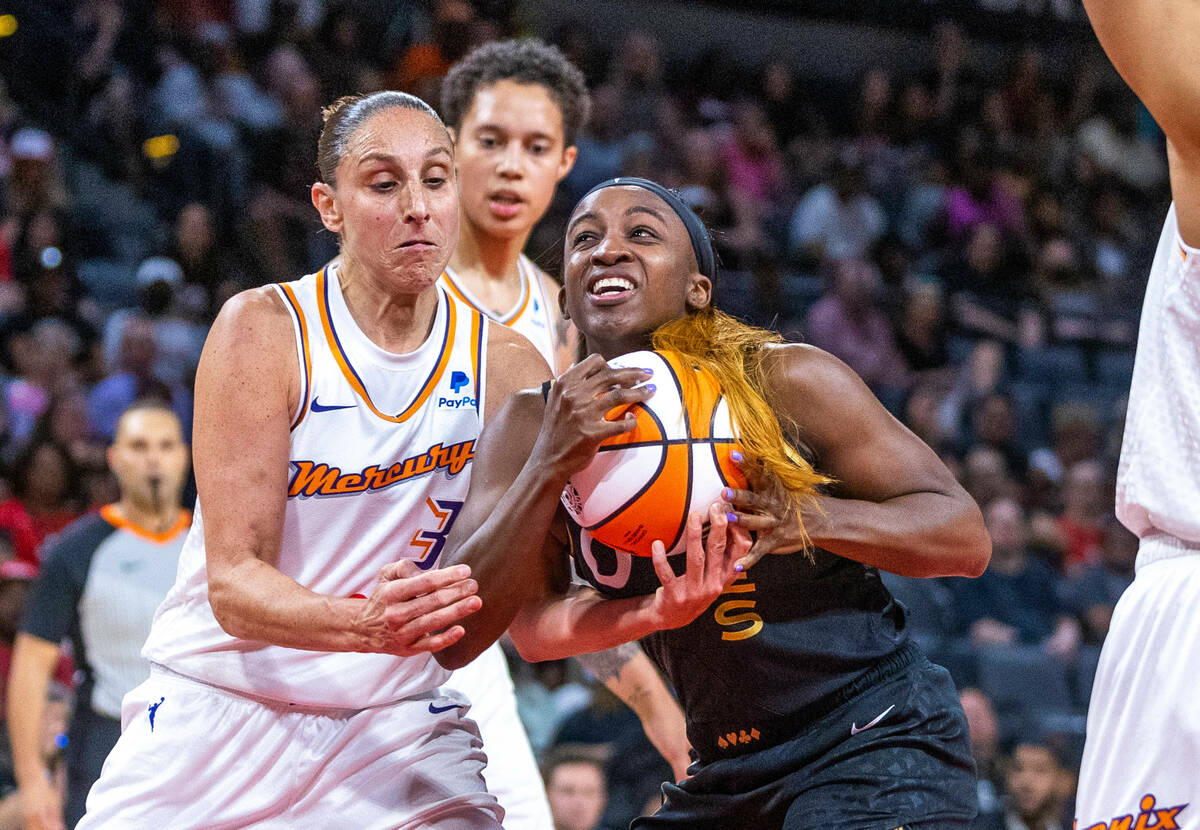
(1005, 673)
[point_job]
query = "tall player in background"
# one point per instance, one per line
(514, 108)
(1143, 733)
(292, 683)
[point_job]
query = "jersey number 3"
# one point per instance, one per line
(431, 541)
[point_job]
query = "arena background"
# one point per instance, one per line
(960, 199)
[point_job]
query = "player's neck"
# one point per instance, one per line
(395, 322)
(481, 259)
(155, 519)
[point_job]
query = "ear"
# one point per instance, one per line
(699, 293)
(567, 161)
(324, 199)
(562, 302)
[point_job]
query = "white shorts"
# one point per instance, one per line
(1142, 754)
(196, 756)
(512, 773)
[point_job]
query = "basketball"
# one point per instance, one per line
(643, 483)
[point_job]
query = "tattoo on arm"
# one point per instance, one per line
(606, 665)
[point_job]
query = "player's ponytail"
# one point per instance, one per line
(734, 352)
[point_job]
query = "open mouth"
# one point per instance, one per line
(610, 287)
(505, 203)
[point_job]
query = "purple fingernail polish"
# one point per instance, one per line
(651, 387)
(736, 456)
(648, 371)
(727, 493)
(739, 567)
(731, 517)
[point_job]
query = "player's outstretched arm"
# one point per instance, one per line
(894, 505)
(247, 387)
(1152, 45)
(523, 458)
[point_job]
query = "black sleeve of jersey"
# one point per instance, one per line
(53, 605)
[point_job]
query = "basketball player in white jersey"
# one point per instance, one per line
(1141, 761)
(292, 683)
(514, 108)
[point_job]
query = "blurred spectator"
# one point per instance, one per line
(1092, 591)
(987, 295)
(134, 380)
(1075, 437)
(994, 425)
(546, 697)
(1087, 495)
(836, 220)
(205, 263)
(43, 361)
(575, 786)
(984, 728)
(46, 487)
(921, 334)
(1110, 140)
(1016, 600)
(1036, 785)
(172, 310)
(848, 323)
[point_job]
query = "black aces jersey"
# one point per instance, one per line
(787, 635)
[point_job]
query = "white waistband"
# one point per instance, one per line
(1162, 546)
(283, 706)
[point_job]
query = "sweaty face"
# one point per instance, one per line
(395, 203)
(628, 269)
(510, 157)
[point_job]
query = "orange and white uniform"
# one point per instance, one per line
(512, 772)
(240, 732)
(1142, 752)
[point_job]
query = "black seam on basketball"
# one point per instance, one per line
(712, 430)
(662, 462)
(687, 431)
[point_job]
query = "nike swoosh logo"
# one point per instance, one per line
(437, 710)
(855, 729)
(318, 407)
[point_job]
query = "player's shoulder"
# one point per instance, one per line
(511, 351)
(803, 366)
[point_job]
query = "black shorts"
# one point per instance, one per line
(897, 754)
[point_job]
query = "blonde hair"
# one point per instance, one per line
(734, 353)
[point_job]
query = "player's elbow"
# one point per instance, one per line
(975, 550)
(454, 657)
(222, 598)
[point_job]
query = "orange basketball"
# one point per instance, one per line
(642, 484)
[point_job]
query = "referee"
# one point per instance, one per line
(102, 579)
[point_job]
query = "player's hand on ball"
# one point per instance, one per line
(765, 511)
(574, 424)
(413, 611)
(709, 570)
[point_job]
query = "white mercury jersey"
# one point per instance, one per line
(381, 447)
(533, 315)
(1158, 483)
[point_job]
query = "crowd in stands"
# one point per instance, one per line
(972, 239)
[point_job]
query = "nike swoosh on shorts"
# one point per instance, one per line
(855, 729)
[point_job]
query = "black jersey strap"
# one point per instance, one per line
(546, 389)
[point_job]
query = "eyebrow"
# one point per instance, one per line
(379, 155)
(581, 217)
(499, 128)
(645, 209)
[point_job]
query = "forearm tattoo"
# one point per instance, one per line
(605, 665)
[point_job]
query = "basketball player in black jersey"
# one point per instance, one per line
(806, 702)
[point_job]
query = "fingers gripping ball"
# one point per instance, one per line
(642, 484)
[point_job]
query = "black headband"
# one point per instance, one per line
(702, 245)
